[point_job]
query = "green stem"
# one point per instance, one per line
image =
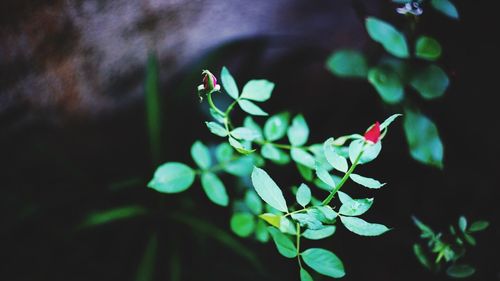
(344, 179)
(298, 245)
(227, 119)
(294, 212)
(212, 105)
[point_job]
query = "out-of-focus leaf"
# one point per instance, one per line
(384, 33)
(347, 63)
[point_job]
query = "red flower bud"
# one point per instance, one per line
(209, 81)
(373, 134)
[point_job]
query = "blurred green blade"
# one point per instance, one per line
(153, 108)
(111, 215)
(146, 267)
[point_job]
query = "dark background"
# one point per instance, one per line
(60, 163)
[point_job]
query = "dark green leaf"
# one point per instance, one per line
(478, 226)
(382, 32)
(431, 82)
(261, 232)
(224, 152)
(423, 138)
(347, 63)
(305, 276)
(422, 258)
(253, 202)
(112, 215)
(427, 48)
(243, 224)
(387, 83)
(240, 167)
(324, 262)
(284, 245)
(460, 271)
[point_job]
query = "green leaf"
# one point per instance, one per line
(366, 182)
(272, 219)
(363, 228)
(261, 232)
(327, 211)
(284, 245)
(243, 133)
(318, 234)
(224, 152)
(445, 7)
(324, 176)
(172, 177)
(347, 63)
(305, 172)
(253, 202)
(371, 151)
(303, 195)
(308, 220)
(324, 262)
(146, 268)
(427, 48)
(240, 167)
(216, 115)
(304, 275)
(216, 129)
(214, 189)
(275, 154)
(251, 108)
(338, 162)
(112, 215)
(426, 230)
(302, 157)
(201, 155)
(470, 239)
(462, 223)
(298, 133)
(460, 271)
(229, 83)
(391, 39)
(239, 146)
(286, 226)
(387, 83)
(422, 258)
(478, 226)
(257, 90)
(423, 138)
(251, 124)
(242, 224)
(389, 120)
(431, 82)
(353, 207)
(268, 190)
(275, 127)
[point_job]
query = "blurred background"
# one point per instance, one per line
(95, 94)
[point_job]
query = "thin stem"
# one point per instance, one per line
(344, 179)
(212, 105)
(227, 119)
(298, 245)
(294, 212)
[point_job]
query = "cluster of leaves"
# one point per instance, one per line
(449, 251)
(261, 209)
(400, 68)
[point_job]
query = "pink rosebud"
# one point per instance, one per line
(373, 134)
(209, 81)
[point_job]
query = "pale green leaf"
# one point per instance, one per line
(324, 176)
(462, 223)
(308, 220)
(240, 167)
(275, 154)
(298, 133)
(257, 90)
(229, 83)
(216, 129)
(303, 195)
(276, 126)
(389, 120)
(445, 7)
(253, 202)
(261, 232)
(251, 108)
(327, 211)
(363, 228)
(338, 162)
(251, 124)
(243, 133)
(302, 157)
(388, 84)
(324, 262)
(201, 155)
(268, 190)
(224, 152)
(214, 189)
(172, 177)
(366, 182)
(318, 234)
(353, 207)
